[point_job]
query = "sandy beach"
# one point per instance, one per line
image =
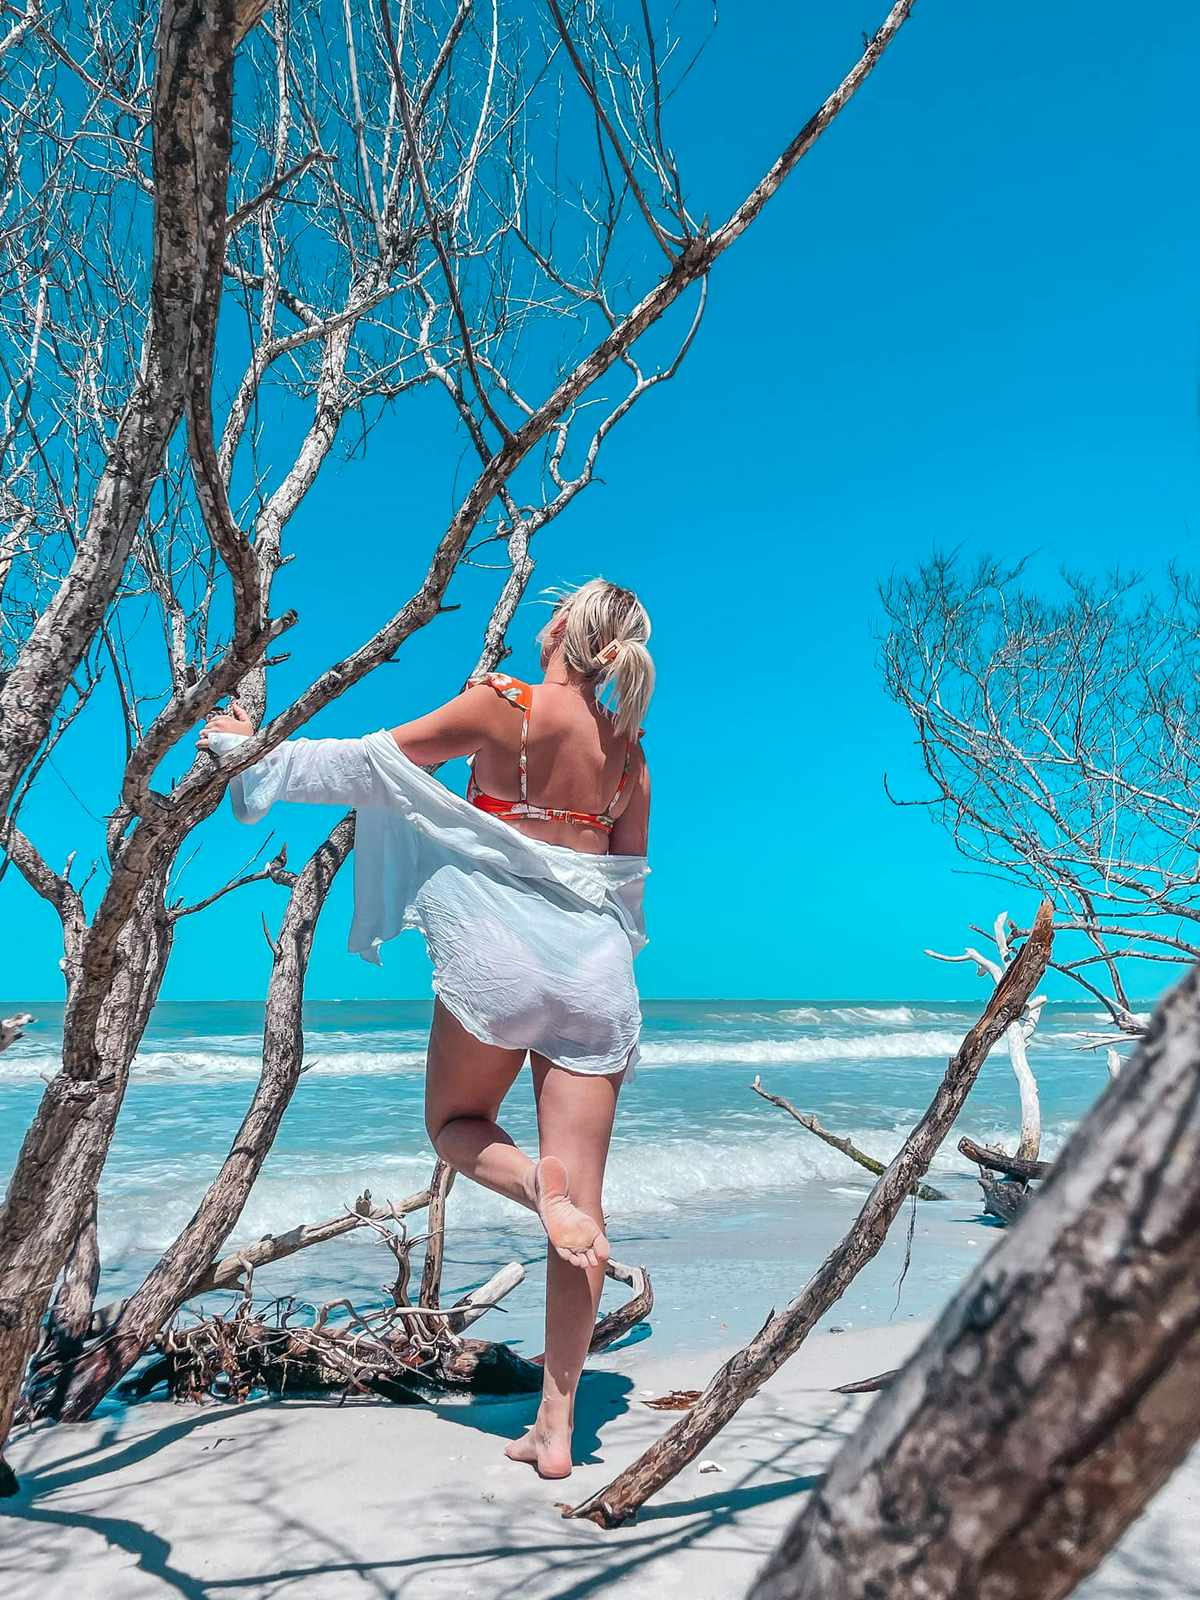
(368, 1500)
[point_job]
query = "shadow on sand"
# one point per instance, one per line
(549, 1561)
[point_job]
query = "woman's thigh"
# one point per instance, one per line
(464, 1077)
(575, 1119)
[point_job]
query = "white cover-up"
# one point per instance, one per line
(532, 944)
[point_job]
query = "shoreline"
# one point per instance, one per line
(330, 1502)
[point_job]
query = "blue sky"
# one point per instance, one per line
(969, 320)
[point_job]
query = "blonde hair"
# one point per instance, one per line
(605, 638)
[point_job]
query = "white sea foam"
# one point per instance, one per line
(646, 1178)
(798, 1049)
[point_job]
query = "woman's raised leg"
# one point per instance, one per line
(465, 1082)
(575, 1118)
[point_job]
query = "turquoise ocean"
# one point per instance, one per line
(729, 1203)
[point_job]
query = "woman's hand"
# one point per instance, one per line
(235, 720)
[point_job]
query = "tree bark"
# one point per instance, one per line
(54, 1180)
(435, 1245)
(182, 1268)
(1061, 1387)
(782, 1335)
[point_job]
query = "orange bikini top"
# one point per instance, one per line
(520, 694)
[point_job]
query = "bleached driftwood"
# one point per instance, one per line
(1060, 1388)
(1016, 1038)
(785, 1331)
(923, 1191)
(616, 1324)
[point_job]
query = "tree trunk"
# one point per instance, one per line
(190, 1258)
(783, 1334)
(69, 1323)
(1061, 1387)
(54, 1181)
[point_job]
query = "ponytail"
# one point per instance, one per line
(628, 677)
(604, 638)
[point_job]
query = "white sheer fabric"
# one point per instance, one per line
(532, 944)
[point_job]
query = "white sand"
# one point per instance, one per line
(376, 1501)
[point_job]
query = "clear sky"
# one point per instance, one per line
(969, 320)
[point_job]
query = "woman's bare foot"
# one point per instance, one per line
(578, 1238)
(545, 1449)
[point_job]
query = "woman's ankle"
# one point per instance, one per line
(554, 1418)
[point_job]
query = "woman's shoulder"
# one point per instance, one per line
(507, 687)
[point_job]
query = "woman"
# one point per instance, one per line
(529, 894)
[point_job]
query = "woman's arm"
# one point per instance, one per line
(456, 729)
(631, 831)
(337, 771)
(322, 772)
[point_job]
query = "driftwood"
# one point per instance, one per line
(401, 1353)
(435, 1244)
(616, 1324)
(12, 1028)
(923, 1191)
(232, 1270)
(1018, 1035)
(868, 1385)
(1003, 1198)
(997, 1161)
(783, 1333)
(1058, 1391)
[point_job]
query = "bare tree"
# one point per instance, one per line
(1060, 1388)
(395, 228)
(1061, 738)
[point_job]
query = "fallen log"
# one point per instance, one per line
(868, 1385)
(783, 1333)
(1060, 1388)
(997, 1161)
(924, 1191)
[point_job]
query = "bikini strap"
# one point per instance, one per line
(518, 694)
(609, 814)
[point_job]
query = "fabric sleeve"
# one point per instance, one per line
(320, 772)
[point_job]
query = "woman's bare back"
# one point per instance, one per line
(575, 760)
